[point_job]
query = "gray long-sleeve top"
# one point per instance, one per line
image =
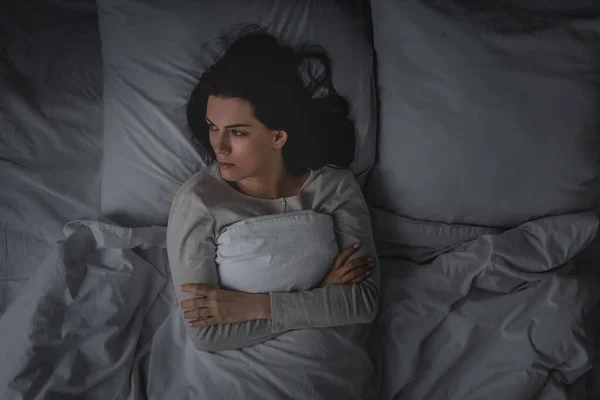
(206, 204)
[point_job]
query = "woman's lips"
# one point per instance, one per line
(225, 165)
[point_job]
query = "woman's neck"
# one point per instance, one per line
(273, 184)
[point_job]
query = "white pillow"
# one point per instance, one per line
(285, 252)
(489, 115)
(153, 54)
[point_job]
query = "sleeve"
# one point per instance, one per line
(341, 304)
(191, 252)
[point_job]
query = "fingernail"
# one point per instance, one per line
(372, 264)
(181, 287)
(190, 324)
(356, 245)
(370, 259)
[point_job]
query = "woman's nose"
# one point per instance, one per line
(221, 144)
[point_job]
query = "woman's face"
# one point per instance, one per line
(244, 147)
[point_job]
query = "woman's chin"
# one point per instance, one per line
(227, 173)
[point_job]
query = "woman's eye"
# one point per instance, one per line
(212, 127)
(237, 133)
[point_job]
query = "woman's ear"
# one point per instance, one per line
(279, 139)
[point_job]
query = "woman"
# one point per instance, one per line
(279, 144)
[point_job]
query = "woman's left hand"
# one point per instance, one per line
(218, 306)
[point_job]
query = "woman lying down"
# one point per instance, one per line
(271, 244)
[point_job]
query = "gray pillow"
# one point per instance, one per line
(485, 119)
(154, 51)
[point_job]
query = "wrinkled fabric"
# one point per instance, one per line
(73, 331)
(502, 315)
(50, 130)
(100, 320)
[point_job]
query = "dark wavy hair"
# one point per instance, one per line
(289, 89)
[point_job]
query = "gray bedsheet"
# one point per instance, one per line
(481, 315)
(50, 130)
(497, 315)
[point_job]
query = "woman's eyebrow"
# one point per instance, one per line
(230, 126)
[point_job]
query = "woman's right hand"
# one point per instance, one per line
(349, 272)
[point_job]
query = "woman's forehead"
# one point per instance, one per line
(227, 111)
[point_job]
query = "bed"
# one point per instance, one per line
(478, 151)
